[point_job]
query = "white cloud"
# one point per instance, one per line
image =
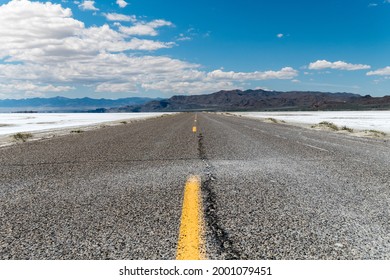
(284, 73)
(112, 87)
(189, 87)
(30, 28)
(280, 35)
(340, 65)
(147, 45)
(263, 88)
(88, 5)
(159, 23)
(33, 31)
(121, 3)
(380, 72)
(31, 87)
(145, 29)
(119, 17)
(138, 29)
(44, 49)
(183, 37)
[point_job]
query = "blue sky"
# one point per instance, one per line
(153, 48)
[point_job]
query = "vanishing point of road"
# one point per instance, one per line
(196, 185)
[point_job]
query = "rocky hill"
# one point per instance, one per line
(253, 100)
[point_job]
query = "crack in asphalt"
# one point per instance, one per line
(221, 238)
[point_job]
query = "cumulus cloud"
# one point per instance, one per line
(189, 87)
(119, 17)
(116, 87)
(33, 31)
(380, 72)
(44, 49)
(30, 27)
(280, 35)
(88, 5)
(340, 65)
(283, 74)
(145, 29)
(121, 3)
(28, 87)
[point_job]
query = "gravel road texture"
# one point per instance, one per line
(269, 191)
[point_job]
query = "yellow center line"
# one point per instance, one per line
(190, 244)
(194, 126)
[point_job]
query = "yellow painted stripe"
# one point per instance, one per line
(191, 245)
(194, 129)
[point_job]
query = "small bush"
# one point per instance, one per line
(124, 122)
(22, 136)
(272, 120)
(329, 125)
(77, 131)
(347, 128)
(376, 133)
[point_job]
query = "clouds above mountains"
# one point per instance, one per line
(341, 65)
(285, 73)
(105, 48)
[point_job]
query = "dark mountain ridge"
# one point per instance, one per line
(69, 104)
(232, 100)
(260, 100)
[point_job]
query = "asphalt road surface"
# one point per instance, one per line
(268, 191)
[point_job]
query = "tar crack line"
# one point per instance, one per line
(223, 244)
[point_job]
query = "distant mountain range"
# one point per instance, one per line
(233, 100)
(63, 104)
(260, 100)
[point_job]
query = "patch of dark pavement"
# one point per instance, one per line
(220, 240)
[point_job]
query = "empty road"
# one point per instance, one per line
(231, 187)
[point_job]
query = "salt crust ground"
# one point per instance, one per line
(360, 121)
(46, 126)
